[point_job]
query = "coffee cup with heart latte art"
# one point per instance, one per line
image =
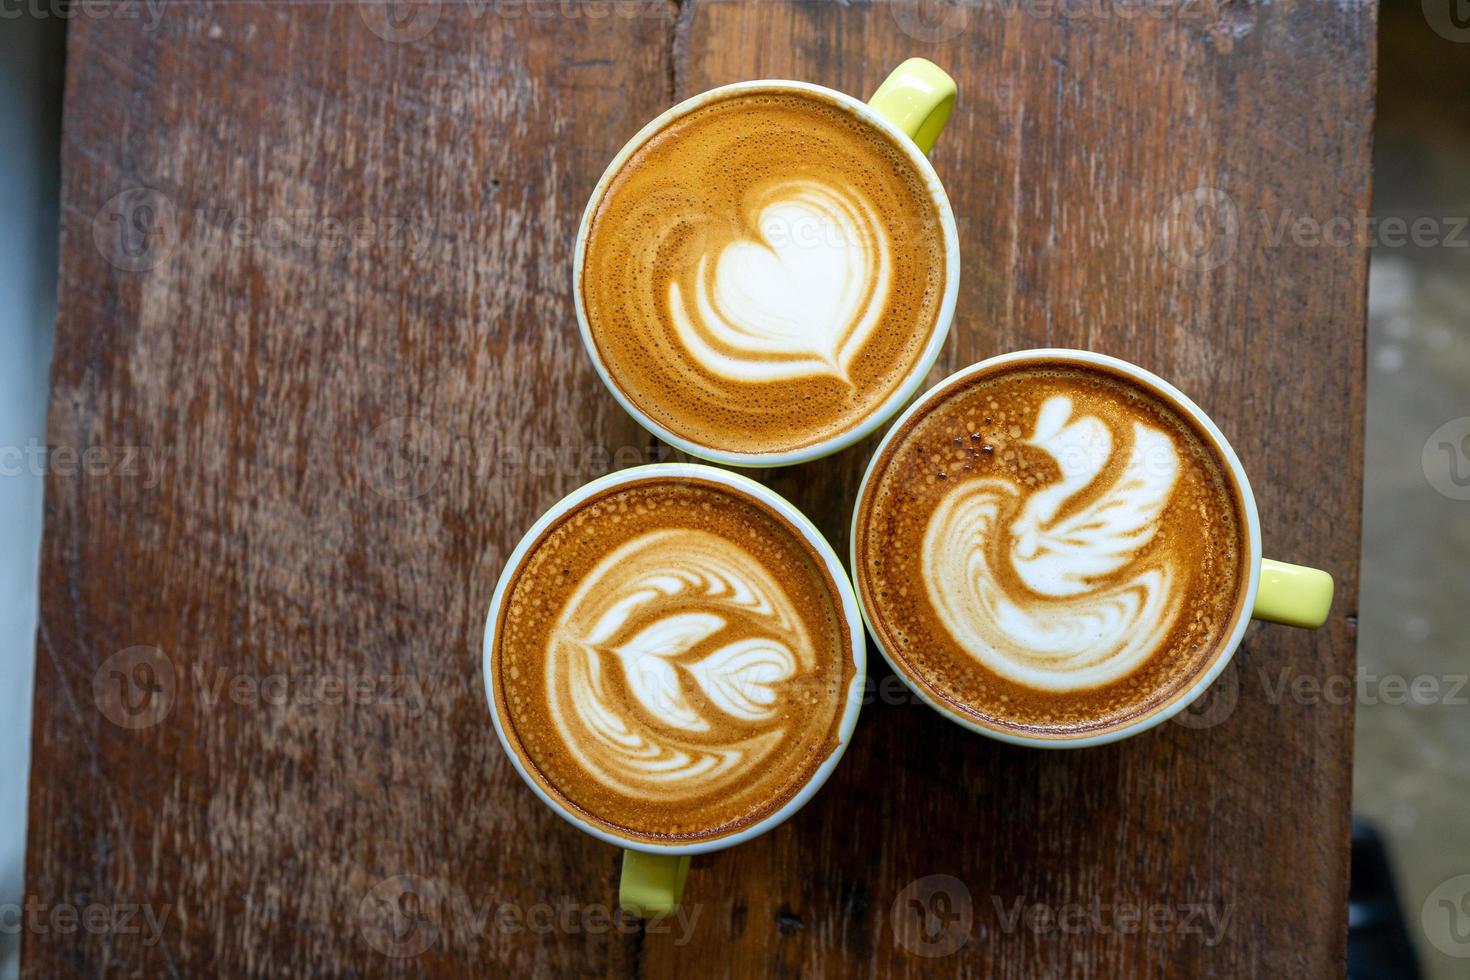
(767, 271)
(1057, 548)
(674, 663)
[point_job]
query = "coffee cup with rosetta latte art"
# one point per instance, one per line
(1057, 548)
(766, 272)
(674, 663)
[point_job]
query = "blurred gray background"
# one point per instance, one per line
(30, 105)
(1412, 770)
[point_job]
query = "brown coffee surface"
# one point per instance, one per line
(764, 272)
(671, 661)
(1051, 549)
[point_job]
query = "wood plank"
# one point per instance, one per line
(1081, 158)
(352, 436)
(335, 444)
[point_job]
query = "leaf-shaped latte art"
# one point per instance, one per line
(801, 301)
(669, 664)
(1077, 623)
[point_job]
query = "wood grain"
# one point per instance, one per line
(314, 284)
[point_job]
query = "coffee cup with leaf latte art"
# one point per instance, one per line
(1058, 548)
(674, 663)
(767, 271)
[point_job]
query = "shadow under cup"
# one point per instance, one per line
(992, 557)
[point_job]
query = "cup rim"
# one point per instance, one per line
(900, 395)
(850, 614)
(1222, 446)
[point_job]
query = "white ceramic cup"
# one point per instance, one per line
(904, 129)
(653, 874)
(1274, 591)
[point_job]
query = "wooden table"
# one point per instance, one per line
(315, 330)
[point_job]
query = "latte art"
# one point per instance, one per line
(800, 301)
(1071, 625)
(1049, 548)
(702, 637)
(672, 660)
(764, 273)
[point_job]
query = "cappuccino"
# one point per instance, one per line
(765, 272)
(671, 660)
(1051, 548)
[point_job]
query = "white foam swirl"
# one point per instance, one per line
(1070, 627)
(667, 663)
(799, 302)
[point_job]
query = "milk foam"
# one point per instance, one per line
(1073, 623)
(800, 301)
(702, 637)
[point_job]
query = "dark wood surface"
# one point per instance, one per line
(258, 699)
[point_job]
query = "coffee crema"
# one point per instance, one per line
(671, 660)
(1051, 548)
(764, 272)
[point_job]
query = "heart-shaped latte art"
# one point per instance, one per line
(1086, 616)
(702, 638)
(800, 301)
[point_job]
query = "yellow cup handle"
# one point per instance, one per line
(652, 884)
(917, 98)
(1292, 594)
